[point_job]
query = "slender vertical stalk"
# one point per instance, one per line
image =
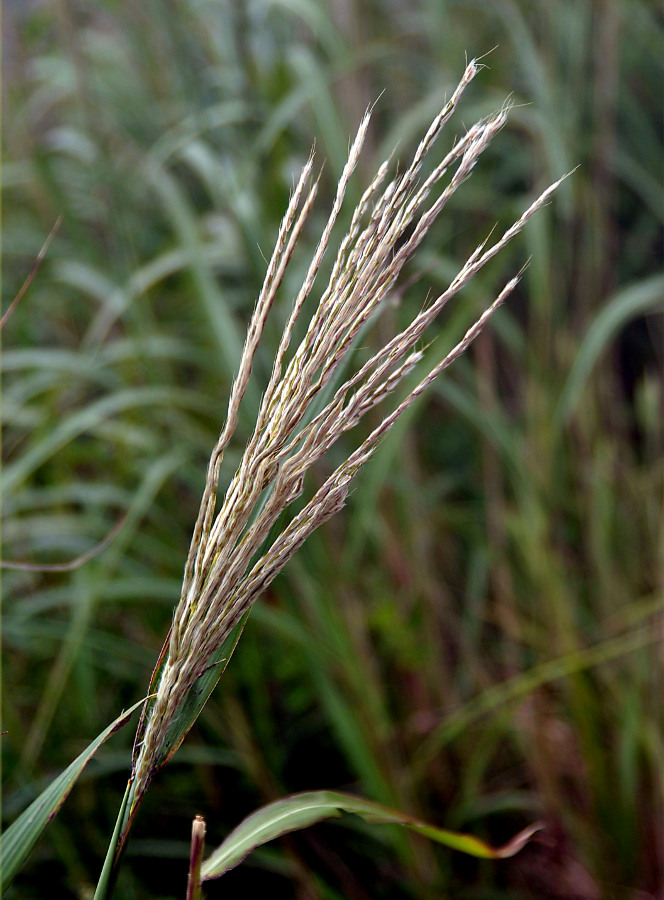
(110, 868)
(196, 858)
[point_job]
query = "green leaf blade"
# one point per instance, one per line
(192, 705)
(20, 838)
(308, 808)
(189, 710)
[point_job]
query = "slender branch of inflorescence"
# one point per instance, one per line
(228, 564)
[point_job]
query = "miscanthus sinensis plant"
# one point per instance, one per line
(234, 554)
(220, 582)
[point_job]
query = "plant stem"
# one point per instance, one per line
(196, 858)
(109, 870)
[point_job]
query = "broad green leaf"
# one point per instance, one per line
(308, 808)
(20, 838)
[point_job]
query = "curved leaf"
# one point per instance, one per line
(20, 838)
(301, 810)
(631, 301)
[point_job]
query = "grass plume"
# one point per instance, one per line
(223, 576)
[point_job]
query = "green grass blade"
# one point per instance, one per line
(188, 712)
(226, 334)
(195, 700)
(20, 838)
(628, 303)
(88, 419)
(526, 683)
(308, 808)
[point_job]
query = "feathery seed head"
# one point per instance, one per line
(221, 582)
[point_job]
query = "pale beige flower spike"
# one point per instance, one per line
(219, 583)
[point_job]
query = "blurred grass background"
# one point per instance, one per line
(475, 639)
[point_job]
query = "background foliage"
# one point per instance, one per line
(474, 640)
